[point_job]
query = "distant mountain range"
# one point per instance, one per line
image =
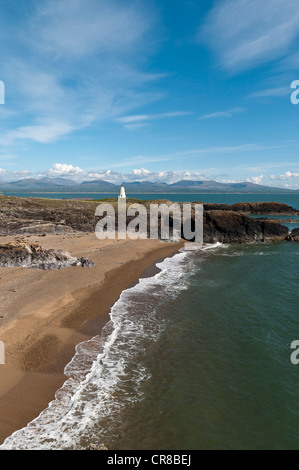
(63, 185)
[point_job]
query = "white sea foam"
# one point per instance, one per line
(106, 373)
(213, 246)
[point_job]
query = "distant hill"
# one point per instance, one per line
(57, 181)
(187, 186)
(214, 186)
(43, 184)
(63, 185)
(98, 186)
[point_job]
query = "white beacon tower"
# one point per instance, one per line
(122, 193)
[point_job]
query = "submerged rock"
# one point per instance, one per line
(24, 254)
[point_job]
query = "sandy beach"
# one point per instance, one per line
(45, 314)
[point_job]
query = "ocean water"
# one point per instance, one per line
(291, 199)
(195, 357)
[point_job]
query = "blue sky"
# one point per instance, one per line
(150, 90)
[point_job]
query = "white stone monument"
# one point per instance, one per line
(122, 193)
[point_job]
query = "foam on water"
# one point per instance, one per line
(105, 375)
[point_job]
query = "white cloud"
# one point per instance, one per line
(288, 175)
(117, 177)
(230, 181)
(256, 179)
(159, 176)
(76, 173)
(144, 175)
(141, 172)
(7, 175)
(248, 33)
(63, 169)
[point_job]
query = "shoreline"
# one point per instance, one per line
(39, 345)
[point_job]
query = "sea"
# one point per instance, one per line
(196, 356)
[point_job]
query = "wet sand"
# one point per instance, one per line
(45, 314)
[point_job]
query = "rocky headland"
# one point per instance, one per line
(222, 223)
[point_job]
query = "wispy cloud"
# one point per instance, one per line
(222, 114)
(136, 126)
(207, 151)
(247, 33)
(142, 120)
(78, 29)
(43, 133)
(150, 117)
(7, 157)
(271, 92)
(74, 63)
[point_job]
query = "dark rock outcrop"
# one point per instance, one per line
(227, 226)
(280, 221)
(43, 216)
(257, 208)
(23, 254)
(232, 227)
(294, 236)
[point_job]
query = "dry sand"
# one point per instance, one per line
(47, 313)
